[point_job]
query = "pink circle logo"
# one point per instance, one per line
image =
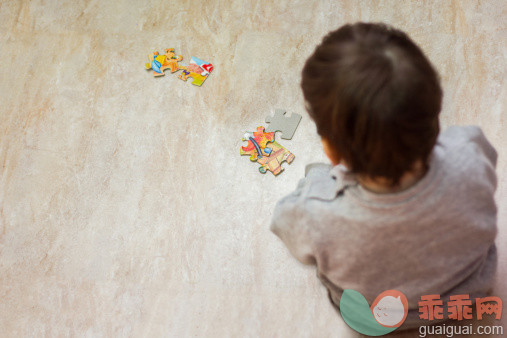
(390, 308)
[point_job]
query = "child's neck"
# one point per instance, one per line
(381, 185)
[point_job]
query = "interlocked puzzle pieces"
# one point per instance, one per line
(197, 69)
(281, 122)
(270, 157)
(159, 63)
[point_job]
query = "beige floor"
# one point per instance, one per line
(125, 208)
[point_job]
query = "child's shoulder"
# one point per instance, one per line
(459, 134)
(471, 138)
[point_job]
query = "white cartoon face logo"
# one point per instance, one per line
(389, 311)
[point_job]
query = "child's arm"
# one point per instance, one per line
(289, 225)
(291, 220)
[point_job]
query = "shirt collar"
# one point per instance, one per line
(343, 177)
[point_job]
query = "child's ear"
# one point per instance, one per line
(330, 152)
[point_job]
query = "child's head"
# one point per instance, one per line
(375, 99)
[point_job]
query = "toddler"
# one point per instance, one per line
(402, 206)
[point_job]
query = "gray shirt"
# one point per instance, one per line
(436, 237)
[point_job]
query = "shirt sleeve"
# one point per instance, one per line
(471, 143)
(291, 223)
(459, 135)
(485, 165)
(477, 136)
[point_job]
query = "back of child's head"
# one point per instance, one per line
(375, 98)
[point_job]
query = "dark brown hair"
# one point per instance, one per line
(375, 98)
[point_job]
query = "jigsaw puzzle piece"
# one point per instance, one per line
(257, 144)
(156, 62)
(159, 63)
(281, 122)
(198, 70)
(273, 162)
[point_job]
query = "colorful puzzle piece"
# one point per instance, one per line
(159, 63)
(274, 160)
(257, 142)
(270, 157)
(281, 122)
(197, 69)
